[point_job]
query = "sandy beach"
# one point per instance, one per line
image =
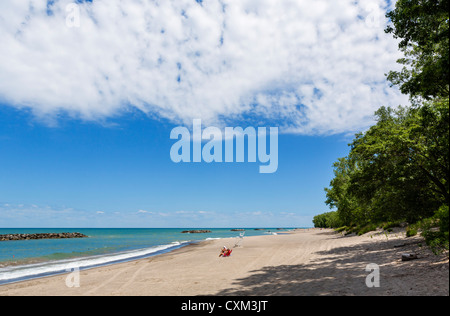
(304, 262)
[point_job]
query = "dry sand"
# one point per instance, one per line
(305, 262)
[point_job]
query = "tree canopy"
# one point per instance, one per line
(398, 169)
(422, 27)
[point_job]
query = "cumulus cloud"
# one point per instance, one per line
(306, 66)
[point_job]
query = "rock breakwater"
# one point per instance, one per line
(7, 237)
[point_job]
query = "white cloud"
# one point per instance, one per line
(33, 215)
(307, 66)
(22, 215)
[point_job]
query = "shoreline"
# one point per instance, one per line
(303, 262)
(169, 249)
(22, 269)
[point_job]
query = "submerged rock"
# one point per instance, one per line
(195, 231)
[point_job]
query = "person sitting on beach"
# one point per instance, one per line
(225, 252)
(222, 251)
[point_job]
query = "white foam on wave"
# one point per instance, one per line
(54, 267)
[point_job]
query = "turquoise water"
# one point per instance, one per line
(24, 259)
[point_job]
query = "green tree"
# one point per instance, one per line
(423, 27)
(398, 169)
(327, 220)
(349, 209)
(403, 162)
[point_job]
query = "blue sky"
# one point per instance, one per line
(120, 174)
(90, 90)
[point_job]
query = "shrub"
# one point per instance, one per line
(327, 220)
(437, 240)
(443, 217)
(411, 231)
(390, 225)
(341, 229)
(367, 228)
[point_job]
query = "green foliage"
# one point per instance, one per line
(327, 220)
(366, 228)
(357, 229)
(390, 225)
(435, 229)
(341, 229)
(422, 26)
(403, 162)
(442, 216)
(398, 169)
(411, 231)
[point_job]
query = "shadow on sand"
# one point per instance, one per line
(339, 271)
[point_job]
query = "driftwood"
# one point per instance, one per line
(409, 256)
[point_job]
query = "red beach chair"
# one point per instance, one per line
(228, 253)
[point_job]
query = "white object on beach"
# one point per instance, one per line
(409, 256)
(239, 240)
